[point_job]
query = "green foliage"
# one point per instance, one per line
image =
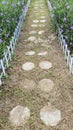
(62, 13)
(10, 11)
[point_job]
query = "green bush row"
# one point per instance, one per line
(63, 16)
(10, 11)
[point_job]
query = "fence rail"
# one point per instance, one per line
(7, 56)
(64, 46)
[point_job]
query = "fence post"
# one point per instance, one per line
(2, 66)
(6, 58)
(68, 57)
(66, 50)
(9, 53)
(11, 46)
(71, 66)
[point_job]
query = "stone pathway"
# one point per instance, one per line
(38, 97)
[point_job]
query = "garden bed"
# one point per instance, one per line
(10, 30)
(10, 12)
(62, 19)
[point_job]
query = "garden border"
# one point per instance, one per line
(7, 56)
(64, 47)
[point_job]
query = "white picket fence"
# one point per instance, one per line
(7, 56)
(64, 47)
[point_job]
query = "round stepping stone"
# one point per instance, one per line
(28, 84)
(41, 25)
(43, 21)
(46, 85)
(36, 7)
(43, 17)
(32, 32)
(28, 66)
(34, 25)
(19, 115)
(41, 5)
(45, 45)
(40, 32)
(45, 65)
(32, 38)
(42, 11)
(35, 21)
(43, 53)
(36, 11)
(50, 115)
(30, 53)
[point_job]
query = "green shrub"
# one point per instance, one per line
(10, 11)
(63, 16)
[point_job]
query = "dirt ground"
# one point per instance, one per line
(12, 92)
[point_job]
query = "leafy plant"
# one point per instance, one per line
(10, 11)
(62, 13)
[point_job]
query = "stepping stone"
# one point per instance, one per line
(38, 40)
(45, 65)
(28, 66)
(36, 11)
(43, 21)
(35, 21)
(41, 25)
(32, 32)
(30, 53)
(45, 45)
(28, 84)
(34, 25)
(43, 53)
(46, 85)
(42, 11)
(19, 115)
(50, 116)
(36, 7)
(40, 32)
(43, 17)
(42, 7)
(32, 38)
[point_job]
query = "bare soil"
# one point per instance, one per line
(12, 94)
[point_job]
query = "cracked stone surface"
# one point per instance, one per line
(45, 65)
(19, 115)
(46, 85)
(50, 116)
(28, 66)
(44, 53)
(32, 38)
(28, 84)
(30, 53)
